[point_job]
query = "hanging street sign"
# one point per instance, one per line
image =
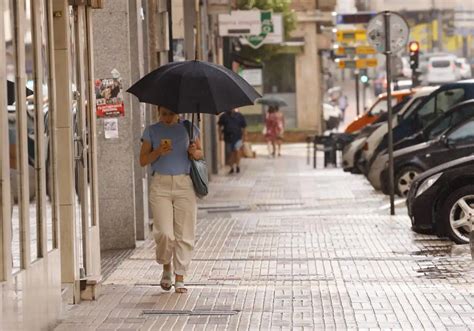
(357, 63)
(348, 36)
(358, 50)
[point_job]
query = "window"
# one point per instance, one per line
(448, 98)
(381, 107)
(435, 106)
(464, 134)
(441, 64)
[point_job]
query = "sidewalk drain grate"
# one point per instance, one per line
(191, 312)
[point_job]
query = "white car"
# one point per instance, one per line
(464, 67)
(442, 69)
(348, 153)
(376, 137)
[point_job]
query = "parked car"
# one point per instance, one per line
(414, 160)
(464, 67)
(378, 108)
(431, 108)
(424, 59)
(351, 151)
(442, 69)
(376, 137)
(409, 150)
(441, 200)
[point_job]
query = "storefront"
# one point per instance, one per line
(49, 236)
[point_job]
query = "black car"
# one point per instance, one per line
(455, 115)
(441, 200)
(409, 162)
(432, 108)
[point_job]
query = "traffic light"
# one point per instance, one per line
(364, 79)
(414, 49)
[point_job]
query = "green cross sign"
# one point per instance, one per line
(267, 27)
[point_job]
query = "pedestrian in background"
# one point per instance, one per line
(166, 147)
(233, 132)
(274, 130)
(342, 104)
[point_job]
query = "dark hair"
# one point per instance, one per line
(273, 109)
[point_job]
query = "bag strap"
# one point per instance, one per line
(187, 126)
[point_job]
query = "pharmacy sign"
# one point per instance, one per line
(267, 27)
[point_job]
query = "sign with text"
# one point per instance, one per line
(358, 50)
(240, 23)
(109, 97)
(348, 36)
(357, 63)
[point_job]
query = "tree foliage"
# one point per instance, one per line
(289, 22)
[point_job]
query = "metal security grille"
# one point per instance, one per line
(191, 312)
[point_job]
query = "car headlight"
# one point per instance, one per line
(427, 183)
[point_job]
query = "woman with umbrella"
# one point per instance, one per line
(171, 146)
(167, 149)
(274, 123)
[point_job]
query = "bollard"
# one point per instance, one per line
(308, 150)
(314, 152)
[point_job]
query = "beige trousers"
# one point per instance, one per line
(173, 204)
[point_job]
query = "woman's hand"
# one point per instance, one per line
(194, 152)
(149, 155)
(163, 150)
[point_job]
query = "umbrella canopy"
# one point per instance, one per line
(11, 92)
(194, 87)
(272, 101)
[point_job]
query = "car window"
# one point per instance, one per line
(448, 98)
(413, 106)
(441, 63)
(450, 120)
(463, 134)
(381, 107)
(440, 127)
(444, 101)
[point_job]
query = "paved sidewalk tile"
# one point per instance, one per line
(282, 246)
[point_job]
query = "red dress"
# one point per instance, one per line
(274, 126)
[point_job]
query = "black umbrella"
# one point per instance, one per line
(272, 100)
(194, 87)
(11, 92)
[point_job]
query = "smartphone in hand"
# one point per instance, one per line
(166, 143)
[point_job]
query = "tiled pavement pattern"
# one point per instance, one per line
(283, 246)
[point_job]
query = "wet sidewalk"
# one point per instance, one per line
(284, 246)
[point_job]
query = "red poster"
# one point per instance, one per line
(109, 97)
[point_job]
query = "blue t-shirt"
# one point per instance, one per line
(177, 161)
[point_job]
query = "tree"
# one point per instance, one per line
(289, 22)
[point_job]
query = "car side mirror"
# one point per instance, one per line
(445, 140)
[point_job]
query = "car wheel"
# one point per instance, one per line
(458, 213)
(404, 179)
